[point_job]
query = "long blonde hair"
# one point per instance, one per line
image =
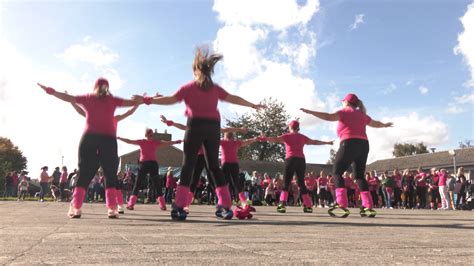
(203, 66)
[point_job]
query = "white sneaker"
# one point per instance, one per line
(121, 210)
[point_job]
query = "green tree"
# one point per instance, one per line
(11, 159)
(406, 149)
(271, 122)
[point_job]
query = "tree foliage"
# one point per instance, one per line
(406, 149)
(271, 122)
(11, 159)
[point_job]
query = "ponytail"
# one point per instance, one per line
(362, 107)
(203, 67)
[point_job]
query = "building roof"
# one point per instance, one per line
(464, 157)
(166, 156)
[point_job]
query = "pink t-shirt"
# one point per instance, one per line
(294, 144)
(100, 113)
(442, 180)
(310, 183)
(322, 181)
(229, 149)
(420, 180)
(148, 149)
(373, 182)
(63, 178)
(201, 103)
(398, 180)
(352, 124)
(170, 181)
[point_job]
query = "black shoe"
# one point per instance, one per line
(224, 213)
(178, 214)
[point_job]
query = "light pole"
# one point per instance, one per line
(453, 153)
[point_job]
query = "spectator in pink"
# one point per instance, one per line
(170, 185)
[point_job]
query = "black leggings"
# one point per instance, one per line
(200, 165)
(435, 196)
(351, 151)
(421, 193)
(295, 165)
(231, 173)
(149, 167)
(95, 150)
(201, 132)
(408, 203)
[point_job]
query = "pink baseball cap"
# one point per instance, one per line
(101, 81)
(351, 98)
(294, 124)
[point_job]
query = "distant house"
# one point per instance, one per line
(463, 157)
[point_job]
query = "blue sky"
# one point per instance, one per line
(399, 58)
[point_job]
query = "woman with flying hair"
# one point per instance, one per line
(201, 97)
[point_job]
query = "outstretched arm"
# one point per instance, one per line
(378, 124)
(241, 101)
(134, 142)
(170, 123)
(322, 115)
(248, 142)
(169, 143)
(60, 95)
(319, 142)
(127, 114)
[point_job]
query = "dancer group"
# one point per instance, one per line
(201, 143)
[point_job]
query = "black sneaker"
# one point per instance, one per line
(178, 214)
(224, 213)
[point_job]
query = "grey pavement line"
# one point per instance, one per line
(35, 244)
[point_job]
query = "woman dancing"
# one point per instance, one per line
(353, 149)
(148, 165)
(201, 97)
(295, 163)
(98, 145)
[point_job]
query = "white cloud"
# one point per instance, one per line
(359, 19)
(411, 128)
(458, 103)
(43, 127)
(423, 90)
(91, 52)
(465, 99)
(284, 13)
(465, 44)
(254, 67)
(453, 109)
(390, 89)
(408, 83)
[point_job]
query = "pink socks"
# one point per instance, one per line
(132, 200)
(182, 193)
(78, 197)
(341, 197)
(190, 198)
(284, 196)
(162, 203)
(223, 196)
(243, 199)
(366, 199)
(110, 198)
(307, 201)
(118, 193)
